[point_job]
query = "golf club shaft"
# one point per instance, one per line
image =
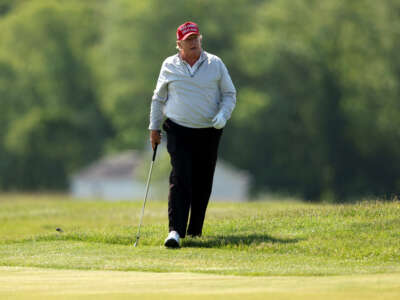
(147, 191)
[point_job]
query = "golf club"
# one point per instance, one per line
(145, 196)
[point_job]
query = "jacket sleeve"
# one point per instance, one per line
(228, 92)
(158, 100)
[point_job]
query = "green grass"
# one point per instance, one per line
(248, 250)
(38, 284)
(257, 239)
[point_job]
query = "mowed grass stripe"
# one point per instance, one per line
(31, 283)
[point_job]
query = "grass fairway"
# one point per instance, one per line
(26, 283)
(248, 249)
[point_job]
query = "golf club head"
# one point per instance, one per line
(136, 243)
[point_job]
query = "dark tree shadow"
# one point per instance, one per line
(234, 240)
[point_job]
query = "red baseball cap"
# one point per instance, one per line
(186, 30)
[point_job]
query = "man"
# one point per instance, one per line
(196, 94)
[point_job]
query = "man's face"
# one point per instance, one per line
(192, 45)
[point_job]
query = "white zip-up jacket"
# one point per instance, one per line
(192, 96)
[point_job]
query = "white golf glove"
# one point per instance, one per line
(219, 120)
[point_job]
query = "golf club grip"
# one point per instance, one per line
(154, 152)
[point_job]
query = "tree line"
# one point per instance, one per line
(318, 88)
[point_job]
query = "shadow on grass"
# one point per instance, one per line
(235, 240)
(217, 241)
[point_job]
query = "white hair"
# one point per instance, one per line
(177, 42)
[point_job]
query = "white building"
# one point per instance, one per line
(122, 177)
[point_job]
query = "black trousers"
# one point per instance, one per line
(193, 155)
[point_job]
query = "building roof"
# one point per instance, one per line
(115, 166)
(126, 164)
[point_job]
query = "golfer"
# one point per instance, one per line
(196, 95)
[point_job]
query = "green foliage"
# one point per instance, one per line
(331, 84)
(51, 110)
(318, 87)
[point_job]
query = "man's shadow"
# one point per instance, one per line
(234, 240)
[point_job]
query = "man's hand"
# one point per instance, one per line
(219, 120)
(155, 138)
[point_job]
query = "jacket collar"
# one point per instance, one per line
(203, 56)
